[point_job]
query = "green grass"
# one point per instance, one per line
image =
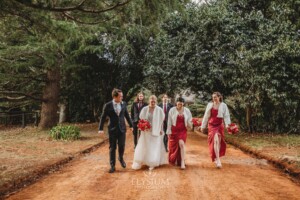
(267, 140)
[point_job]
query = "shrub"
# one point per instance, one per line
(63, 132)
(197, 110)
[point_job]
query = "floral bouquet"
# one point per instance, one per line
(144, 125)
(232, 128)
(197, 121)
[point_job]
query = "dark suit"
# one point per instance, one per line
(116, 129)
(169, 106)
(135, 117)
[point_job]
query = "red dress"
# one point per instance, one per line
(179, 132)
(215, 125)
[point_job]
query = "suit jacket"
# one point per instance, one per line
(169, 106)
(115, 122)
(135, 111)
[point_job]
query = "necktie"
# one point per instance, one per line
(165, 108)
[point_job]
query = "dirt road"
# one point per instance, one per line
(242, 177)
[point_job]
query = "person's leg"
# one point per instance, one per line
(135, 134)
(121, 147)
(217, 145)
(112, 151)
(182, 153)
(165, 136)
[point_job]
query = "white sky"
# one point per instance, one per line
(198, 1)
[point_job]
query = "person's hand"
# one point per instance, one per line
(161, 132)
(131, 129)
(202, 130)
(100, 132)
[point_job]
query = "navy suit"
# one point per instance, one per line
(135, 117)
(169, 106)
(116, 129)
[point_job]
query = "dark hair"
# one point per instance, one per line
(218, 95)
(180, 99)
(115, 92)
(137, 97)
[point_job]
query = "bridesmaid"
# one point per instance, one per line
(179, 119)
(216, 112)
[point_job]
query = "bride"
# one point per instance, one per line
(150, 149)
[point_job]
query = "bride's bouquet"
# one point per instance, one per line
(232, 128)
(197, 121)
(144, 125)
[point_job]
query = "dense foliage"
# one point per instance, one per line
(73, 52)
(247, 50)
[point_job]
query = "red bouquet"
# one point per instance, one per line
(197, 121)
(144, 125)
(232, 128)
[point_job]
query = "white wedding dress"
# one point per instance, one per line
(150, 149)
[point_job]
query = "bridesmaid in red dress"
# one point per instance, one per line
(178, 120)
(216, 112)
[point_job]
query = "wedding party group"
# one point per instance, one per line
(163, 139)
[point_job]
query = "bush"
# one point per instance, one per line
(197, 110)
(63, 132)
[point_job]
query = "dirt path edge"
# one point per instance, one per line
(285, 165)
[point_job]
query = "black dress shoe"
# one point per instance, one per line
(123, 164)
(112, 169)
(166, 149)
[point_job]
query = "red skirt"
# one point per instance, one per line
(212, 130)
(174, 149)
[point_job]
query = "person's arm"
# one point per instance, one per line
(162, 124)
(127, 117)
(103, 117)
(227, 120)
(206, 116)
(190, 117)
(169, 122)
(131, 113)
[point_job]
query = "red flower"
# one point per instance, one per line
(232, 128)
(197, 121)
(144, 125)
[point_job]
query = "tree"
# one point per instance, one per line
(43, 38)
(248, 50)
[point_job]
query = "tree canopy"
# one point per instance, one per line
(247, 50)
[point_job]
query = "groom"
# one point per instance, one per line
(116, 111)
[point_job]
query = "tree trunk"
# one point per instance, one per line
(49, 116)
(249, 118)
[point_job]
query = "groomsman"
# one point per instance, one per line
(166, 106)
(116, 111)
(135, 115)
